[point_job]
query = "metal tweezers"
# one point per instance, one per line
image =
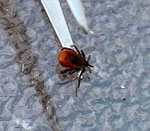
(55, 14)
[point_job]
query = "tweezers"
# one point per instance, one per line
(55, 14)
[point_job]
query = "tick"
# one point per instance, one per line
(74, 61)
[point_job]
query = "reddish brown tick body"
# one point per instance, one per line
(69, 58)
(74, 61)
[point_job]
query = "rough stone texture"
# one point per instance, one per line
(117, 95)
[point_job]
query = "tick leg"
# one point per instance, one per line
(76, 49)
(89, 57)
(63, 83)
(65, 71)
(82, 53)
(79, 80)
(64, 48)
(73, 71)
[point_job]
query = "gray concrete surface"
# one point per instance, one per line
(117, 95)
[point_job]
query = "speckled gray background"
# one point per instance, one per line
(117, 96)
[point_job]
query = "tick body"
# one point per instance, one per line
(69, 58)
(73, 61)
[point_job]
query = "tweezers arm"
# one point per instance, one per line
(78, 12)
(55, 14)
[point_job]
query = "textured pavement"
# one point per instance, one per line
(114, 97)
